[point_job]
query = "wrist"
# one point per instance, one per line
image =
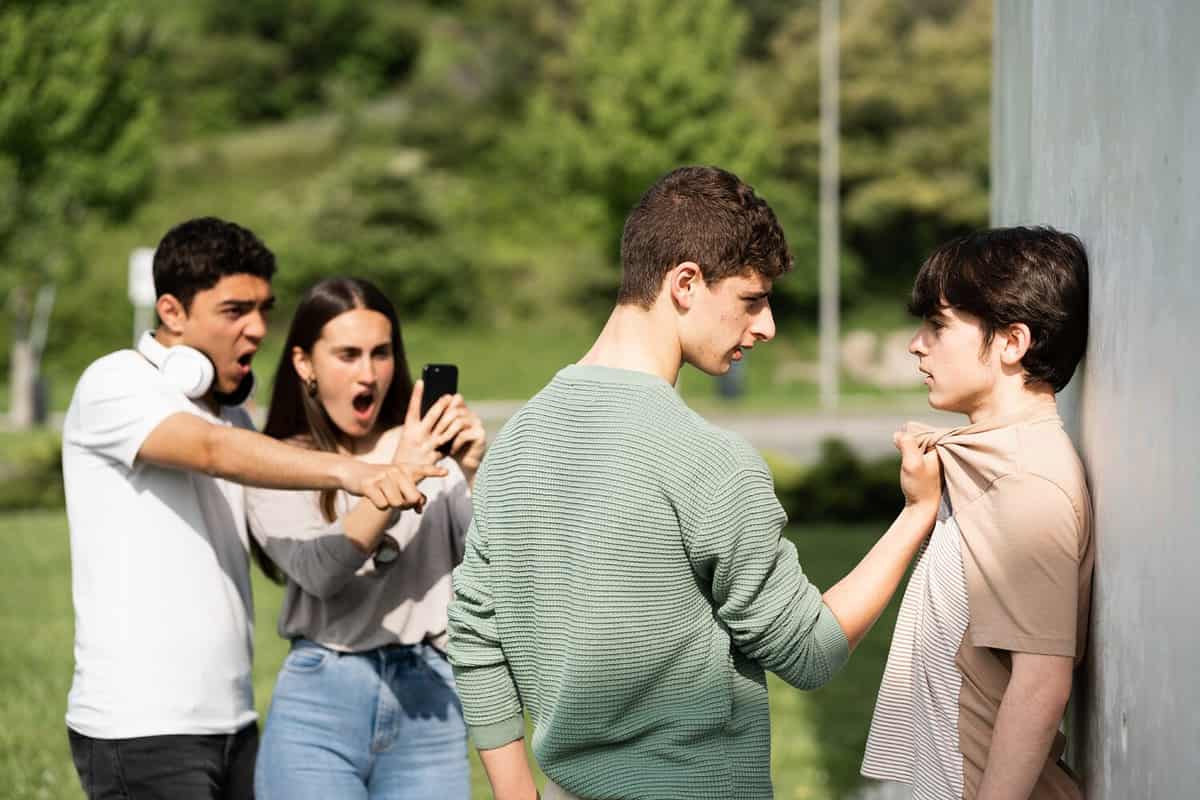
(341, 473)
(921, 511)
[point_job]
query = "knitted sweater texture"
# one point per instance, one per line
(625, 583)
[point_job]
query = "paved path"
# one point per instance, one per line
(795, 435)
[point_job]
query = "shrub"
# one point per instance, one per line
(839, 487)
(31, 471)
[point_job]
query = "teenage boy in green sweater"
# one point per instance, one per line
(625, 581)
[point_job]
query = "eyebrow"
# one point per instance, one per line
(247, 305)
(353, 348)
(757, 295)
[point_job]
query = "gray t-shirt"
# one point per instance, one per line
(339, 597)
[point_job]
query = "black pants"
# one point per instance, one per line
(183, 767)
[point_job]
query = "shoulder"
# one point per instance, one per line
(727, 451)
(1048, 452)
(1034, 512)
(1048, 468)
(122, 372)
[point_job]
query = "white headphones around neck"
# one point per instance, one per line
(185, 368)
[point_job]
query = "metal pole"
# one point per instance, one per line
(830, 198)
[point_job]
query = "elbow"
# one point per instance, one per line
(817, 672)
(1052, 696)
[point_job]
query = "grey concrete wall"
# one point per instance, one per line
(1096, 129)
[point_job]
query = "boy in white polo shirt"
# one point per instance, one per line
(155, 447)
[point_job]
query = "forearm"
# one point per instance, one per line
(365, 525)
(1026, 724)
(858, 599)
(508, 771)
(255, 460)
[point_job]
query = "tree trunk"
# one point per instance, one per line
(21, 380)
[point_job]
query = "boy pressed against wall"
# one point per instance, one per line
(994, 618)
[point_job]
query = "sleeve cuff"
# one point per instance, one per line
(146, 426)
(497, 734)
(342, 550)
(1003, 640)
(831, 639)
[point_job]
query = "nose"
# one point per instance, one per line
(763, 328)
(916, 345)
(366, 369)
(256, 328)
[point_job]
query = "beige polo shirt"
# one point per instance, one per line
(1008, 569)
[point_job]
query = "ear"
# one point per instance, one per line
(683, 281)
(1017, 340)
(171, 312)
(302, 364)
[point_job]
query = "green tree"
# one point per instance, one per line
(77, 130)
(480, 60)
(915, 88)
(641, 87)
(381, 214)
(238, 61)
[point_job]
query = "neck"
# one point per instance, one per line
(640, 340)
(167, 339)
(1011, 397)
(361, 445)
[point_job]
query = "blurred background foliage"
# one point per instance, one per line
(475, 157)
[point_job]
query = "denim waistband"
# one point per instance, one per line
(383, 652)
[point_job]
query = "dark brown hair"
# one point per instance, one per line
(194, 255)
(295, 413)
(700, 214)
(1004, 276)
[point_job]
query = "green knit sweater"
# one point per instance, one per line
(626, 584)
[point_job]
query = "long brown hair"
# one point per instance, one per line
(296, 413)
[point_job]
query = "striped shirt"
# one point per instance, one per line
(914, 734)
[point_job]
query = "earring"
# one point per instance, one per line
(310, 386)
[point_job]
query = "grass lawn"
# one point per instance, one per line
(818, 736)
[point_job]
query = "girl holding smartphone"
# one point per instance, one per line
(364, 705)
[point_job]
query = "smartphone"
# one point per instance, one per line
(439, 379)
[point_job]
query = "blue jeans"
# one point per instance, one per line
(384, 723)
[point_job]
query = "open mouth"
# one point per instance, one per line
(245, 358)
(364, 403)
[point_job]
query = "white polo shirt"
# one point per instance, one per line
(160, 574)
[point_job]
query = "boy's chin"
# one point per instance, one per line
(941, 403)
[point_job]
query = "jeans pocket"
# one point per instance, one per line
(306, 658)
